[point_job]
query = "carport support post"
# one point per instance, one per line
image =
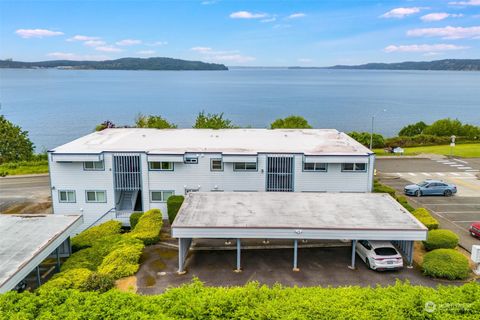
(239, 269)
(57, 253)
(39, 279)
(410, 254)
(354, 244)
(295, 255)
(183, 246)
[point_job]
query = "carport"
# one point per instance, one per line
(295, 216)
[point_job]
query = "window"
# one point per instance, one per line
(160, 196)
(365, 244)
(191, 160)
(161, 165)
(315, 166)
(96, 196)
(66, 196)
(93, 165)
(354, 167)
(216, 165)
(244, 166)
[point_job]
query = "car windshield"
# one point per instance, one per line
(422, 184)
(386, 251)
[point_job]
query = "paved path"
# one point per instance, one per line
(23, 190)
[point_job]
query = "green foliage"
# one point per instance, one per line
(14, 142)
(364, 138)
(404, 202)
(71, 279)
(173, 205)
(446, 263)
(23, 167)
(105, 125)
(123, 261)
(447, 127)
(413, 129)
(418, 140)
(252, 301)
(151, 121)
(148, 227)
(381, 188)
(212, 121)
(134, 219)
(86, 238)
(98, 282)
(291, 122)
(424, 216)
(441, 239)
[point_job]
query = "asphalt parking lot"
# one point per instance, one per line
(318, 267)
(25, 194)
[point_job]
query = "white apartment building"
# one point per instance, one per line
(115, 172)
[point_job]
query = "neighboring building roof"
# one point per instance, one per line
(295, 215)
(227, 141)
(26, 240)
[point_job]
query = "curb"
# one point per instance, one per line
(19, 176)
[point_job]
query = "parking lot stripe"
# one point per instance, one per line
(464, 221)
(454, 174)
(473, 170)
(426, 174)
(456, 165)
(464, 168)
(412, 174)
(458, 160)
(440, 174)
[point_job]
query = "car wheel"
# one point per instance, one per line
(473, 234)
(447, 193)
(368, 264)
(418, 193)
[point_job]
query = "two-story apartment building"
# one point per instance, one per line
(124, 170)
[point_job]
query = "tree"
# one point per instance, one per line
(291, 122)
(445, 127)
(212, 121)
(151, 121)
(413, 129)
(364, 138)
(14, 142)
(104, 125)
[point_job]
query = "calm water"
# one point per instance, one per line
(56, 106)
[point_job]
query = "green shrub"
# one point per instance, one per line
(123, 261)
(173, 204)
(404, 202)
(134, 219)
(98, 282)
(86, 238)
(381, 188)
(148, 227)
(441, 239)
(71, 279)
(426, 218)
(446, 263)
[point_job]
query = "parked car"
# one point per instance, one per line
(430, 188)
(475, 229)
(379, 255)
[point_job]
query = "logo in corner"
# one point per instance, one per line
(430, 306)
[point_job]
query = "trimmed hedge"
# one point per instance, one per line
(148, 227)
(252, 301)
(441, 239)
(173, 204)
(381, 188)
(446, 263)
(134, 219)
(404, 202)
(424, 216)
(71, 279)
(123, 261)
(86, 238)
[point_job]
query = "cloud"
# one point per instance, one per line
(146, 52)
(247, 15)
(73, 56)
(296, 15)
(305, 60)
(37, 33)
(201, 49)
(82, 38)
(94, 43)
(222, 56)
(423, 48)
(108, 49)
(465, 3)
(401, 12)
(128, 42)
(439, 16)
(448, 32)
(157, 43)
(272, 19)
(209, 2)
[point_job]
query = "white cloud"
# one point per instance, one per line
(305, 60)
(209, 2)
(401, 12)
(94, 43)
(465, 3)
(448, 32)
(423, 48)
(272, 19)
(439, 16)
(73, 56)
(108, 49)
(157, 43)
(296, 15)
(128, 42)
(222, 56)
(37, 33)
(82, 38)
(247, 15)
(146, 52)
(201, 49)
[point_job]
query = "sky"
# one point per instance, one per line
(242, 33)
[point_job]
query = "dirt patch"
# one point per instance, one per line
(418, 253)
(150, 281)
(128, 284)
(30, 207)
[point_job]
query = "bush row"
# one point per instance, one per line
(446, 263)
(381, 188)
(173, 204)
(252, 301)
(441, 239)
(89, 236)
(424, 216)
(148, 227)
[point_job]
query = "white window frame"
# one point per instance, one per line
(211, 165)
(162, 193)
(315, 165)
(245, 166)
(96, 196)
(354, 167)
(171, 165)
(67, 197)
(97, 165)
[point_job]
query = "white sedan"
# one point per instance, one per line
(379, 255)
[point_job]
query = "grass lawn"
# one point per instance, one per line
(471, 150)
(24, 167)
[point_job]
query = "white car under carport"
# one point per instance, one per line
(379, 255)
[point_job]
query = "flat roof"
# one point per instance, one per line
(227, 141)
(366, 216)
(26, 240)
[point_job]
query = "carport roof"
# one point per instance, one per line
(291, 215)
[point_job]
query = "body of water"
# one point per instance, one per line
(57, 106)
